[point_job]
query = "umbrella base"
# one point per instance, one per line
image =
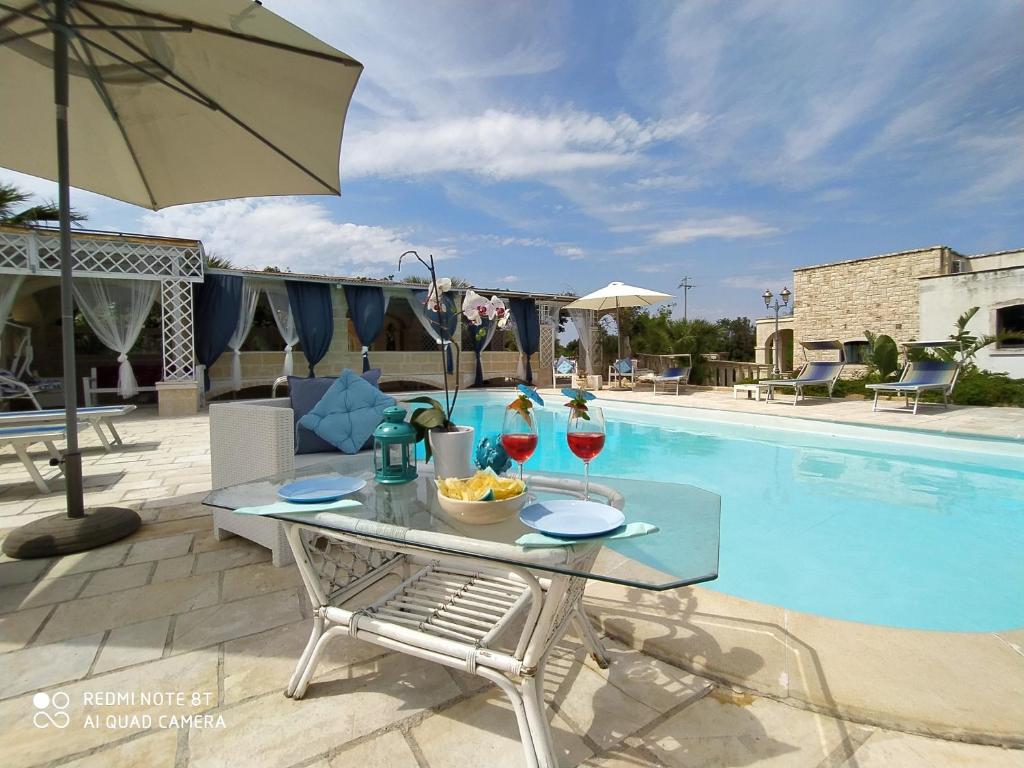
(62, 535)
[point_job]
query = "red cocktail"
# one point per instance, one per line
(586, 445)
(519, 446)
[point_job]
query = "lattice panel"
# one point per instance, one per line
(98, 255)
(176, 322)
(339, 563)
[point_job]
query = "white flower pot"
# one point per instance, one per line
(453, 452)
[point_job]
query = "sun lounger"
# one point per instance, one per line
(95, 416)
(20, 438)
(678, 376)
(813, 374)
(921, 376)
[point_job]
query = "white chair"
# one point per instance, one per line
(622, 370)
(563, 368)
(20, 438)
(921, 376)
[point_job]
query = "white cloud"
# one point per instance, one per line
(507, 279)
(571, 252)
(723, 227)
(288, 233)
(756, 282)
(502, 144)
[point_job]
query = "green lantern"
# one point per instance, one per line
(394, 448)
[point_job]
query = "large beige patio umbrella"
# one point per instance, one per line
(616, 295)
(158, 103)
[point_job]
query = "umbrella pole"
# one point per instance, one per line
(77, 530)
(71, 459)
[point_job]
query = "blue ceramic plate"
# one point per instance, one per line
(316, 490)
(572, 518)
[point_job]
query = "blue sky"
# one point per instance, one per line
(559, 146)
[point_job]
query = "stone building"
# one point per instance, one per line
(912, 295)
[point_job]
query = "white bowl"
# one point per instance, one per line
(482, 512)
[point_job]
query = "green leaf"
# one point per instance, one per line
(426, 401)
(428, 418)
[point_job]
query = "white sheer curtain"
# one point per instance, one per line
(583, 320)
(116, 310)
(246, 310)
(277, 294)
(521, 365)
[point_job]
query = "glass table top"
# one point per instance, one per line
(683, 551)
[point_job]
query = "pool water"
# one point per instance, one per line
(879, 526)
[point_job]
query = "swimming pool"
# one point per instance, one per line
(880, 526)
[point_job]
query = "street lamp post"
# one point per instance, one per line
(768, 296)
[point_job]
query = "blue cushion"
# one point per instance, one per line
(305, 393)
(348, 412)
(624, 366)
(564, 366)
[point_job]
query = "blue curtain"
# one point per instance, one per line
(478, 337)
(524, 312)
(366, 309)
(314, 318)
(216, 302)
(446, 329)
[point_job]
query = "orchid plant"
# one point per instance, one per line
(480, 312)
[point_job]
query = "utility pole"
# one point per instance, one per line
(686, 285)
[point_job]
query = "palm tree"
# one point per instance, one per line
(11, 196)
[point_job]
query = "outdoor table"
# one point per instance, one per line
(469, 597)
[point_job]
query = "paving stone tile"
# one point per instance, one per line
(264, 662)
(727, 729)
(274, 731)
(227, 621)
(887, 749)
(257, 579)
(117, 609)
(93, 560)
(173, 568)
(22, 571)
(183, 511)
(159, 549)
(156, 750)
(133, 644)
(482, 731)
(17, 628)
(25, 745)
(124, 577)
(41, 666)
(657, 684)
(42, 592)
(231, 557)
(389, 750)
(593, 705)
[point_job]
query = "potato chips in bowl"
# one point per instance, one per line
(481, 499)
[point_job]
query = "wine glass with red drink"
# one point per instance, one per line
(519, 436)
(586, 439)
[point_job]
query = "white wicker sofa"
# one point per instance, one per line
(249, 440)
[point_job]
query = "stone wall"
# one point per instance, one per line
(879, 294)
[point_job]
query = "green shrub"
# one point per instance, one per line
(976, 387)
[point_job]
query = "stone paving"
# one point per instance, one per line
(173, 611)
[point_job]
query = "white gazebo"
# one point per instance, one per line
(174, 263)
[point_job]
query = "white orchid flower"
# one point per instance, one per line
(475, 307)
(498, 311)
(444, 285)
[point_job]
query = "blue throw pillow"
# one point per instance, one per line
(624, 366)
(564, 366)
(348, 413)
(305, 393)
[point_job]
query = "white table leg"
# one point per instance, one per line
(590, 639)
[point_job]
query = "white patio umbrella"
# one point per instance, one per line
(616, 295)
(158, 103)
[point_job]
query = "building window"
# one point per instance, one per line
(1011, 320)
(855, 351)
